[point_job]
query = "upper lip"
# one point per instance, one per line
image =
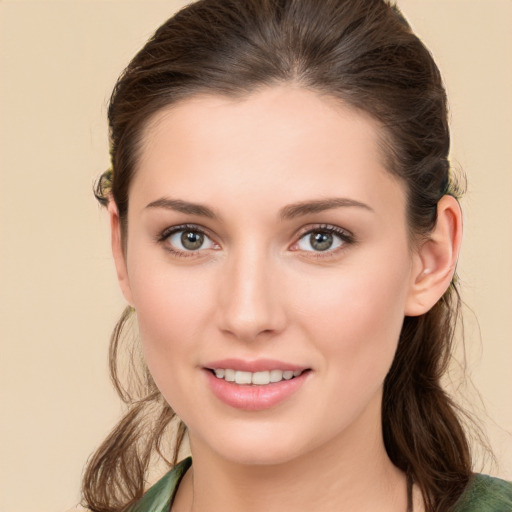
(256, 365)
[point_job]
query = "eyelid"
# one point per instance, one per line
(164, 235)
(168, 231)
(346, 237)
(325, 227)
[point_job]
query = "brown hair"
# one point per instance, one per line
(363, 53)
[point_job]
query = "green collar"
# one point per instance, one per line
(483, 493)
(160, 496)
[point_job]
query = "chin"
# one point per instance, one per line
(256, 444)
(256, 455)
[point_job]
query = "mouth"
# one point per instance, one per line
(260, 378)
(255, 385)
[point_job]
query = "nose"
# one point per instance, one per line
(249, 304)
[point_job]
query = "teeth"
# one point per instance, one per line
(276, 375)
(229, 375)
(256, 378)
(243, 377)
(261, 378)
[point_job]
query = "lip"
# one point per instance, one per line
(254, 398)
(257, 365)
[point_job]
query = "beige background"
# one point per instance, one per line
(59, 297)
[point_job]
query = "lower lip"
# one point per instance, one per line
(254, 398)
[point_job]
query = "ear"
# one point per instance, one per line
(118, 251)
(435, 259)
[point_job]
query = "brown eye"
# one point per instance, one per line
(192, 240)
(321, 241)
(188, 240)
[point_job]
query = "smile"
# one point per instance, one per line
(262, 378)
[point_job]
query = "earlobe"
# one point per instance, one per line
(435, 260)
(118, 251)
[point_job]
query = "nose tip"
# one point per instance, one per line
(247, 327)
(248, 306)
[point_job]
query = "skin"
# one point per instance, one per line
(258, 288)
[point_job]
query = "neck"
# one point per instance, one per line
(352, 473)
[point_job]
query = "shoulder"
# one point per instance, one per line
(485, 494)
(159, 497)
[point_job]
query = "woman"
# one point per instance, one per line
(286, 230)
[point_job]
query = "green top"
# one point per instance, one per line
(160, 496)
(483, 494)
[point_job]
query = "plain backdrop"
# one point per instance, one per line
(59, 297)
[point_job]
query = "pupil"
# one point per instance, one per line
(321, 241)
(191, 240)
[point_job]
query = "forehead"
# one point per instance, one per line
(278, 138)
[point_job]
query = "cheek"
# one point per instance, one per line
(168, 314)
(172, 310)
(355, 316)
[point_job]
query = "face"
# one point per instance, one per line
(268, 244)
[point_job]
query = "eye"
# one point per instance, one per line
(186, 239)
(323, 239)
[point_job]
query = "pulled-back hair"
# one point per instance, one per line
(363, 53)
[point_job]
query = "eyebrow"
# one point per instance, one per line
(289, 212)
(183, 207)
(307, 207)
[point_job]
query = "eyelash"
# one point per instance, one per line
(345, 236)
(168, 232)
